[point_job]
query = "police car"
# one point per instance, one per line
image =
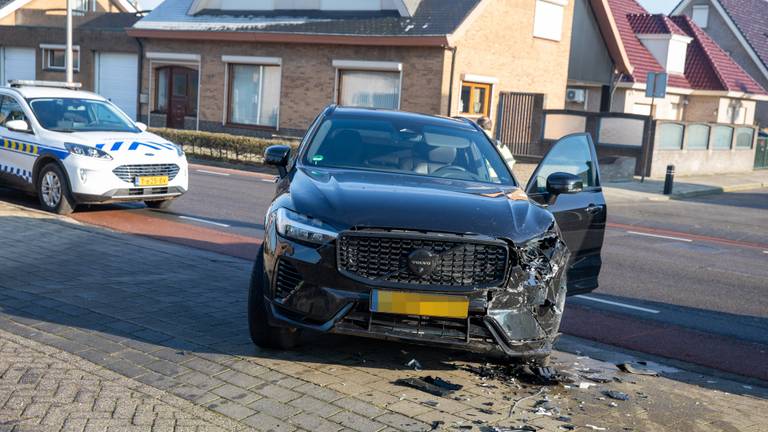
(74, 147)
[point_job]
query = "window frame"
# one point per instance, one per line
(230, 71)
(48, 52)
(340, 83)
(488, 98)
(537, 32)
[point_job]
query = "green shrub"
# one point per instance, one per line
(222, 146)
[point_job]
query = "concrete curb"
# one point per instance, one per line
(704, 191)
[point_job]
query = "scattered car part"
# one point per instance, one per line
(433, 386)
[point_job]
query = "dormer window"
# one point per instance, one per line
(670, 50)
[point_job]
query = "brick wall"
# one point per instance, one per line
(308, 77)
(88, 40)
(499, 43)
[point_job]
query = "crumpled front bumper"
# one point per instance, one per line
(520, 320)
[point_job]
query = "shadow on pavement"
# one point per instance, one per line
(113, 298)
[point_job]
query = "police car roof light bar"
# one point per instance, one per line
(52, 84)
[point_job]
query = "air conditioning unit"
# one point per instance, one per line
(576, 95)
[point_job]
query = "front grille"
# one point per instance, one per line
(128, 173)
(147, 191)
(460, 261)
(288, 279)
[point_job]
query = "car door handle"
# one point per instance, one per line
(594, 209)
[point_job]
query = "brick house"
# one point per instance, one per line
(268, 67)
(740, 27)
(705, 83)
(32, 38)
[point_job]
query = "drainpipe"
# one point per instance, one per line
(141, 80)
(69, 54)
(453, 73)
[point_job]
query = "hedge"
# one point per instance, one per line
(221, 146)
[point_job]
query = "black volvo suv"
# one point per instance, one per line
(410, 227)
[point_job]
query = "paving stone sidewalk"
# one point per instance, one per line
(167, 324)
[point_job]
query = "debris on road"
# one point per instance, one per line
(432, 385)
(593, 427)
(414, 364)
(636, 370)
(614, 394)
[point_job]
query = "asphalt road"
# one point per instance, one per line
(674, 272)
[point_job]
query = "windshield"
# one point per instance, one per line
(80, 115)
(407, 147)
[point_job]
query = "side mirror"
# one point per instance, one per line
(17, 126)
(142, 127)
(563, 183)
(277, 156)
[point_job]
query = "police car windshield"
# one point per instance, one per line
(80, 115)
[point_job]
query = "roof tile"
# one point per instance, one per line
(751, 17)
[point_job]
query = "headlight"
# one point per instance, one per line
(83, 150)
(179, 150)
(299, 227)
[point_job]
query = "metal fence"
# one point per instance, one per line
(519, 123)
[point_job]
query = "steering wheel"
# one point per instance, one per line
(461, 171)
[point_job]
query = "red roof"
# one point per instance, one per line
(707, 66)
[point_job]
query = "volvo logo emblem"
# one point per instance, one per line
(422, 262)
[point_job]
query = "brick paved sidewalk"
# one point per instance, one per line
(172, 320)
(45, 389)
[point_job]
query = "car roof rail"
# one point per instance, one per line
(49, 84)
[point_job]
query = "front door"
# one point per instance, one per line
(179, 98)
(581, 215)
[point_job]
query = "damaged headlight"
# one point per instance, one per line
(296, 226)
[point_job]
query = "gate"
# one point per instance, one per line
(520, 122)
(761, 153)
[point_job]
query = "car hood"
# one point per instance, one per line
(141, 147)
(367, 199)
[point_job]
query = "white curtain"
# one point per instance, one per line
(370, 89)
(255, 95)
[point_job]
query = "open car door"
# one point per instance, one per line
(567, 181)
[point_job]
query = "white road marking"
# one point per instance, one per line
(660, 236)
(194, 219)
(765, 252)
(268, 180)
(624, 305)
(213, 173)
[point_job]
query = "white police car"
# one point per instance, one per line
(74, 147)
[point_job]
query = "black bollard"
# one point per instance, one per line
(669, 180)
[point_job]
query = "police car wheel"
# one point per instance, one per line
(164, 204)
(53, 190)
(262, 333)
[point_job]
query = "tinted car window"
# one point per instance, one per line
(570, 155)
(407, 147)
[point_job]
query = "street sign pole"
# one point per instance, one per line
(69, 54)
(655, 87)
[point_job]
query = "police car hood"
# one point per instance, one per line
(128, 147)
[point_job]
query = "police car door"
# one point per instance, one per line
(17, 149)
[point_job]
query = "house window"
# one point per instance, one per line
(254, 94)
(56, 58)
(475, 99)
(548, 19)
(369, 89)
(701, 15)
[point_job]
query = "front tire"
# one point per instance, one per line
(159, 205)
(263, 334)
(53, 190)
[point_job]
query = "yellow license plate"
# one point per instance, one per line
(407, 303)
(152, 181)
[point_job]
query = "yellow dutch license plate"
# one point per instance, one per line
(152, 181)
(432, 305)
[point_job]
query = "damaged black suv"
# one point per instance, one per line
(410, 227)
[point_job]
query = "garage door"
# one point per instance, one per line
(117, 80)
(17, 64)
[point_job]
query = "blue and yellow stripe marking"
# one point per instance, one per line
(21, 147)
